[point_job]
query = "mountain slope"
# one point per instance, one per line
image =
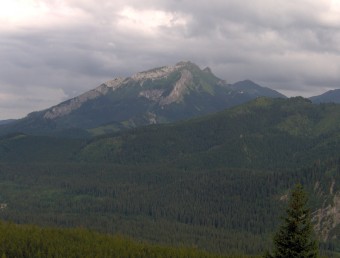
(269, 133)
(7, 121)
(263, 133)
(250, 88)
(160, 95)
(332, 96)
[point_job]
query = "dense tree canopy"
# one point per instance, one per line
(215, 182)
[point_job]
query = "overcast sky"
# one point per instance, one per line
(52, 50)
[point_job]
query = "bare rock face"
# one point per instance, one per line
(75, 103)
(179, 89)
(154, 95)
(115, 83)
(153, 74)
(176, 93)
(152, 118)
(157, 73)
(163, 72)
(327, 217)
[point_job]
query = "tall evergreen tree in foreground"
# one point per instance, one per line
(294, 238)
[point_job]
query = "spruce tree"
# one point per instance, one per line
(295, 237)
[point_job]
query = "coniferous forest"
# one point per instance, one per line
(217, 184)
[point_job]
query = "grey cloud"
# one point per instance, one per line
(281, 44)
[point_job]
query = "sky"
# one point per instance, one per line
(53, 50)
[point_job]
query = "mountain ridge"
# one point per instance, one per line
(237, 132)
(331, 96)
(74, 103)
(160, 95)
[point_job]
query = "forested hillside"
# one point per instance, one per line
(31, 241)
(219, 183)
(265, 133)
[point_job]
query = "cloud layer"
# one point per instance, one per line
(51, 50)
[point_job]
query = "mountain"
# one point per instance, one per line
(7, 121)
(160, 95)
(219, 182)
(252, 89)
(332, 96)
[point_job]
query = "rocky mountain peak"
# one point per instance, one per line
(175, 95)
(160, 72)
(156, 95)
(154, 73)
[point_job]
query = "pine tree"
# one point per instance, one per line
(294, 238)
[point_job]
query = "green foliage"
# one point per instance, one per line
(26, 148)
(159, 204)
(32, 241)
(216, 182)
(220, 210)
(265, 133)
(295, 237)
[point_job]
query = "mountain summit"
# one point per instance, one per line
(159, 95)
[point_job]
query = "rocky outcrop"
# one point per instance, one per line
(158, 72)
(153, 74)
(152, 117)
(115, 83)
(175, 95)
(327, 217)
(179, 89)
(154, 95)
